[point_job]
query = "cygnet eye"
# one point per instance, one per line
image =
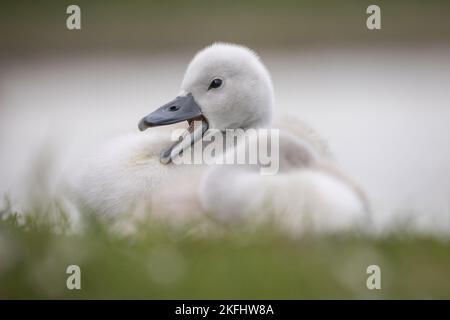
(216, 83)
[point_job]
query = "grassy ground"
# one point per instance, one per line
(161, 263)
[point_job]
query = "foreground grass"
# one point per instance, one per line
(159, 263)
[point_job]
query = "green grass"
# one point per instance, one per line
(158, 262)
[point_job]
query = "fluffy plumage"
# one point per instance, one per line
(309, 193)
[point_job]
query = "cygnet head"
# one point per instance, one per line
(226, 86)
(232, 87)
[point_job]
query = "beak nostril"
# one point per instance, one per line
(174, 108)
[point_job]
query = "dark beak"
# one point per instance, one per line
(180, 109)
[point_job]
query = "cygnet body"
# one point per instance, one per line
(225, 87)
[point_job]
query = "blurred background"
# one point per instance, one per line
(381, 98)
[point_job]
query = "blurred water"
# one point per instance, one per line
(385, 113)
